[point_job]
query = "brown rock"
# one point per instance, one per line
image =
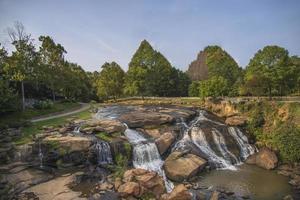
(236, 121)
(117, 183)
(215, 195)
(129, 188)
(105, 125)
(164, 142)
(179, 166)
(180, 192)
(266, 159)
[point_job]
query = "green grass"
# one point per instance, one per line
(35, 128)
(106, 136)
(18, 118)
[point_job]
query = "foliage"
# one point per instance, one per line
(46, 104)
(121, 165)
(287, 140)
(214, 87)
(110, 81)
(194, 89)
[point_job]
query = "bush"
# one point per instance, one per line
(286, 139)
(41, 105)
(8, 99)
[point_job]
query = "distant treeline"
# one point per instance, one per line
(44, 73)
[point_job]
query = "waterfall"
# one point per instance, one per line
(198, 138)
(146, 155)
(242, 141)
(103, 153)
(195, 135)
(76, 130)
(41, 156)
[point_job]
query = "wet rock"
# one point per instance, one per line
(180, 166)
(180, 192)
(265, 158)
(103, 125)
(164, 142)
(138, 119)
(236, 121)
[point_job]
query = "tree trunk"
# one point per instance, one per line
(53, 95)
(23, 95)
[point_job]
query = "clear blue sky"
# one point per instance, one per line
(95, 31)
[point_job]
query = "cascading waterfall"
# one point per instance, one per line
(41, 156)
(242, 140)
(146, 155)
(193, 134)
(76, 130)
(103, 152)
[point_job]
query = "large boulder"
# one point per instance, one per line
(180, 192)
(144, 182)
(265, 158)
(69, 143)
(181, 166)
(164, 142)
(138, 119)
(103, 125)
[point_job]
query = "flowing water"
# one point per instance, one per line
(41, 155)
(103, 152)
(146, 155)
(208, 136)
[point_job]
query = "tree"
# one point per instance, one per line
(23, 62)
(220, 63)
(214, 87)
(268, 71)
(194, 89)
(111, 81)
(52, 60)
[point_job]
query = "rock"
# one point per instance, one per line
(148, 182)
(288, 197)
(164, 142)
(56, 189)
(215, 195)
(129, 188)
(138, 119)
(179, 166)
(180, 192)
(70, 143)
(63, 130)
(265, 158)
(103, 125)
(117, 183)
(105, 186)
(236, 121)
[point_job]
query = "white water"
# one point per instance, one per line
(146, 155)
(196, 136)
(76, 130)
(41, 156)
(242, 140)
(103, 153)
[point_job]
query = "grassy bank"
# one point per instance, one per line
(18, 118)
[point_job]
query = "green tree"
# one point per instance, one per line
(214, 87)
(52, 60)
(220, 63)
(22, 65)
(111, 81)
(194, 89)
(268, 71)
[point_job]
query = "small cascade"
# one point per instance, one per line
(41, 156)
(194, 135)
(221, 144)
(146, 155)
(76, 130)
(103, 153)
(246, 148)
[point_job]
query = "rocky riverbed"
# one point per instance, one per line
(143, 152)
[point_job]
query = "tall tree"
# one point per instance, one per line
(23, 62)
(52, 59)
(214, 87)
(268, 71)
(111, 80)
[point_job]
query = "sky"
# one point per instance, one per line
(96, 31)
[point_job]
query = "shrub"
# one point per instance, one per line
(41, 105)
(286, 139)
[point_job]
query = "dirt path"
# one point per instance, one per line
(84, 106)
